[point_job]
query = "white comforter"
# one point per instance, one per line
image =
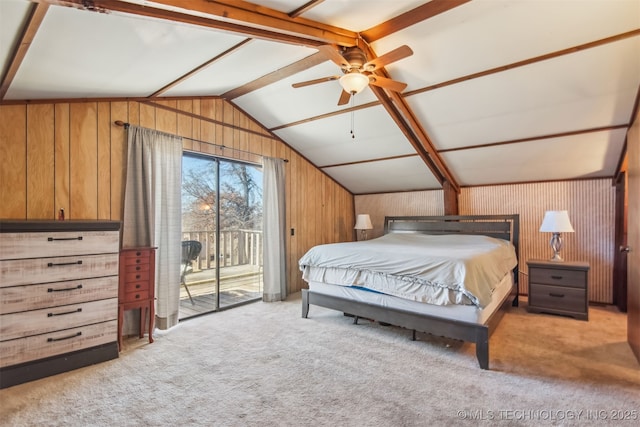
(436, 269)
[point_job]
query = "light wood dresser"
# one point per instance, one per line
(58, 297)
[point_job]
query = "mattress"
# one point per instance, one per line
(465, 313)
(436, 269)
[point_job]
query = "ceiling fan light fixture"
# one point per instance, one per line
(354, 82)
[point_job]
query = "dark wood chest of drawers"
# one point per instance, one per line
(137, 287)
(559, 288)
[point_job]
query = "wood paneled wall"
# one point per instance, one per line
(591, 206)
(73, 156)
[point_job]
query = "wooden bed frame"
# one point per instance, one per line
(499, 226)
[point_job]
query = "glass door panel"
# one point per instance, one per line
(222, 212)
(240, 234)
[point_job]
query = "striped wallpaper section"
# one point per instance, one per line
(590, 203)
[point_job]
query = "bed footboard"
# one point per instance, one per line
(470, 332)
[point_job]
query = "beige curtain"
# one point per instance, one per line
(153, 211)
(275, 267)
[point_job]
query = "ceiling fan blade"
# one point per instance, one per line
(332, 53)
(344, 98)
(316, 81)
(389, 57)
(386, 83)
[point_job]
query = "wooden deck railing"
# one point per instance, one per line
(237, 247)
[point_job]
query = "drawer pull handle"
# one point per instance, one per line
(138, 261)
(57, 239)
(51, 264)
(138, 268)
(556, 277)
(66, 312)
(64, 289)
(138, 286)
(551, 294)
(77, 334)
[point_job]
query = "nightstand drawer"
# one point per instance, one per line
(557, 298)
(562, 277)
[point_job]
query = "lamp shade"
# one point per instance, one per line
(363, 222)
(556, 222)
(354, 82)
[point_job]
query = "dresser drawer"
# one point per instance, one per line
(136, 277)
(56, 343)
(55, 244)
(136, 268)
(557, 298)
(51, 319)
(554, 276)
(134, 296)
(34, 297)
(130, 287)
(45, 270)
(133, 257)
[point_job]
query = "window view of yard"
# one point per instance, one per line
(222, 211)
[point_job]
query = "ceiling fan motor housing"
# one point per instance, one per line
(355, 57)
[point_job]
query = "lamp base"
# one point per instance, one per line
(556, 258)
(556, 245)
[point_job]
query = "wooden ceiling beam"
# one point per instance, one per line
(305, 7)
(36, 15)
(252, 15)
(282, 73)
(249, 23)
(405, 118)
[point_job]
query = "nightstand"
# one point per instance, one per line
(559, 288)
(137, 287)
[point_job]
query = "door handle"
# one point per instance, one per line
(624, 249)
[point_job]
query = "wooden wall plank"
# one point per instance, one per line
(104, 123)
(167, 121)
(40, 162)
(83, 161)
(61, 136)
(147, 116)
(13, 161)
(88, 147)
(119, 110)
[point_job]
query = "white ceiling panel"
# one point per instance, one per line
(588, 155)
(359, 15)
(329, 142)
(408, 173)
(125, 53)
(13, 13)
(484, 34)
(279, 103)
(253, 60)
(96, 54)
(591, 88)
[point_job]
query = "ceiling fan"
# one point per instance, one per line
(358, 73)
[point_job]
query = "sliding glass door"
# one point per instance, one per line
(222, 234)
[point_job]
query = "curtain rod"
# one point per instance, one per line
(223, 147)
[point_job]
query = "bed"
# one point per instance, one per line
(341, 278)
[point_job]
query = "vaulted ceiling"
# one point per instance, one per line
(498, 91)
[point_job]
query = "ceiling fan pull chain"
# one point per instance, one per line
(353, 135)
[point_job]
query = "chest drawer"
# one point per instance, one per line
(57, 343)
(557, 297)
(34, 297)
(45, 270)
(56, 244)
(51, 319)
(549, 276)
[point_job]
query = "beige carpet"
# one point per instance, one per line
(262, 364)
